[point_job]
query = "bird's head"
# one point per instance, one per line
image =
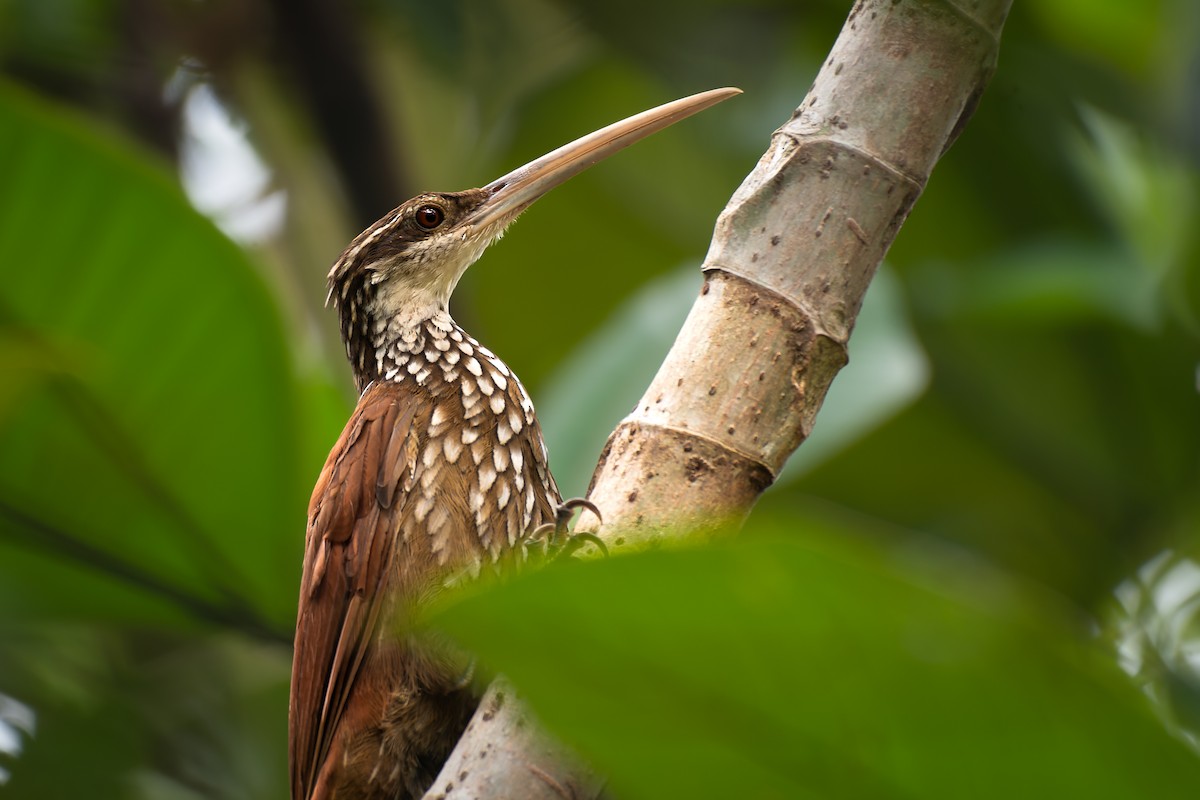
(402, 270)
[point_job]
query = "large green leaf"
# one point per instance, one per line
(774, 668)
(148, 449)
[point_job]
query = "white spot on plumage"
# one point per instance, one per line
(451, 357)
(413, 367)
(498, 376)
(429, 457)
(500, 458)
(514, 420)
(430, 475)
(422, 375)
(473, 366)
(488, 357)
(502, 494)
(496, 401)
(469, 434)
(442, 344)
(423, 506)
(452, 448)
(485, 385)
(516, 528)
(475, 499)
(439, 530)
(466, 347)
(487, 477)
(503, 431)
(516, 456)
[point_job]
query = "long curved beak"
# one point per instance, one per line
(516, 191)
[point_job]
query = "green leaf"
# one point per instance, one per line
(148, 452)
(1123, 34)
(1049, 282)
(774, 668)
(1054, 375)
(1149, 196)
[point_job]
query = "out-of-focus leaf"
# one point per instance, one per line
(66, 673)
(219, 738)
(1149, 197)
(773, 668)
(930, 471)
(1126, 35)
(1054, 282)
(1156, 628)
(17, 721)
(1060, 426)
(156, 458)
(147, 715)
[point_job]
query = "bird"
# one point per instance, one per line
(440, 469)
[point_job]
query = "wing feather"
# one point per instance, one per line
(354, 517)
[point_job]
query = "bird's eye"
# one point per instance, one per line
(429, 217)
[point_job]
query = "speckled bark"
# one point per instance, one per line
(504, 754)
(790, 261)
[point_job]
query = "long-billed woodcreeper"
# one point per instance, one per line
(440, 469)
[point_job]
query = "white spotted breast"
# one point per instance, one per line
(483, 481)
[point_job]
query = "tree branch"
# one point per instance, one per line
(791, 258)
(504, 753)
(789, 264)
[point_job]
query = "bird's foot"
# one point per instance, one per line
(467, 677)
(556, 540)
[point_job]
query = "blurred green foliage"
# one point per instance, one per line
(1000, 502)
(781, 667)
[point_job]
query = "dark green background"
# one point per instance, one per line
(999, 505)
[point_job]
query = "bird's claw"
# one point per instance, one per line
(576, 540)
(558, 540)
(565, 511)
